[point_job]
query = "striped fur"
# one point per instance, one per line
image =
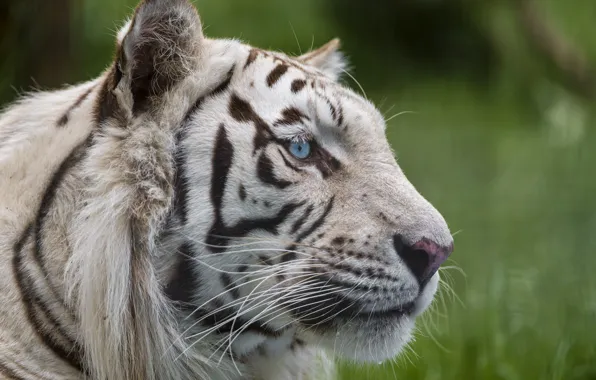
(154, 223)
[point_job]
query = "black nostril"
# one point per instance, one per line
(417, 260)
(423, 258)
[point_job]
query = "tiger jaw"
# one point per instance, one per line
(373, 337)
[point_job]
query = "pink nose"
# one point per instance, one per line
(423, 258)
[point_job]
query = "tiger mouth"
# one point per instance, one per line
(348, 310)
(406, 309)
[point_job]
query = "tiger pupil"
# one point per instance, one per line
(300, 150)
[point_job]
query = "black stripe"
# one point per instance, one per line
(296, 344)
(223, 86)
(219, 89)
(288, 256)
(192, 110)
(371, 273)
(73, 354)
(242, 268)
(266, 175)
(66, 116)
(325, 162)
(242, 193)
(252, 55)
(106, 105)
(276, 74)
(229, 285)
(219, 234)
(298, 223)
(340, 115)
(46, 204)
(181, 186)
(298, 85)
(184, 282)
(223, 154)
(30, 298)
(331, 106)
(290, 116)
(242, 111)
(317, 223)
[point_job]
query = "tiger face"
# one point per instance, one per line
(292, 223)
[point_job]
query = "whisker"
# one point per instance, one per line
(399, 114)
(267, 312)
(456, 233)
(357, 83)
(267, 291)
(296, 37)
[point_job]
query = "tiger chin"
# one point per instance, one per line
(205, 209)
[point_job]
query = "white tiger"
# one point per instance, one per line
(206, 210)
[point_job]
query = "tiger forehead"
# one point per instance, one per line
(321, 90)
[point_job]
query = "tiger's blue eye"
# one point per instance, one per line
(300, 150)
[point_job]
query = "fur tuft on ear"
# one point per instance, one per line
(158, 48)
(328, 58)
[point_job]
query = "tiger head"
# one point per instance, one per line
(289, 214)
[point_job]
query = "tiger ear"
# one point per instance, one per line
(328, 58)
(157, 49)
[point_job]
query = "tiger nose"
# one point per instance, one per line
(423, 258)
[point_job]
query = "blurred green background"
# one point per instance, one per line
(490, 107)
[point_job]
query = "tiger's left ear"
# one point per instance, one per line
(328, 58)
(157, 48)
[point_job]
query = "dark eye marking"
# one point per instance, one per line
(266, 175)
(287, 161)
(325, 162)
(219, 233)
(242, 111)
